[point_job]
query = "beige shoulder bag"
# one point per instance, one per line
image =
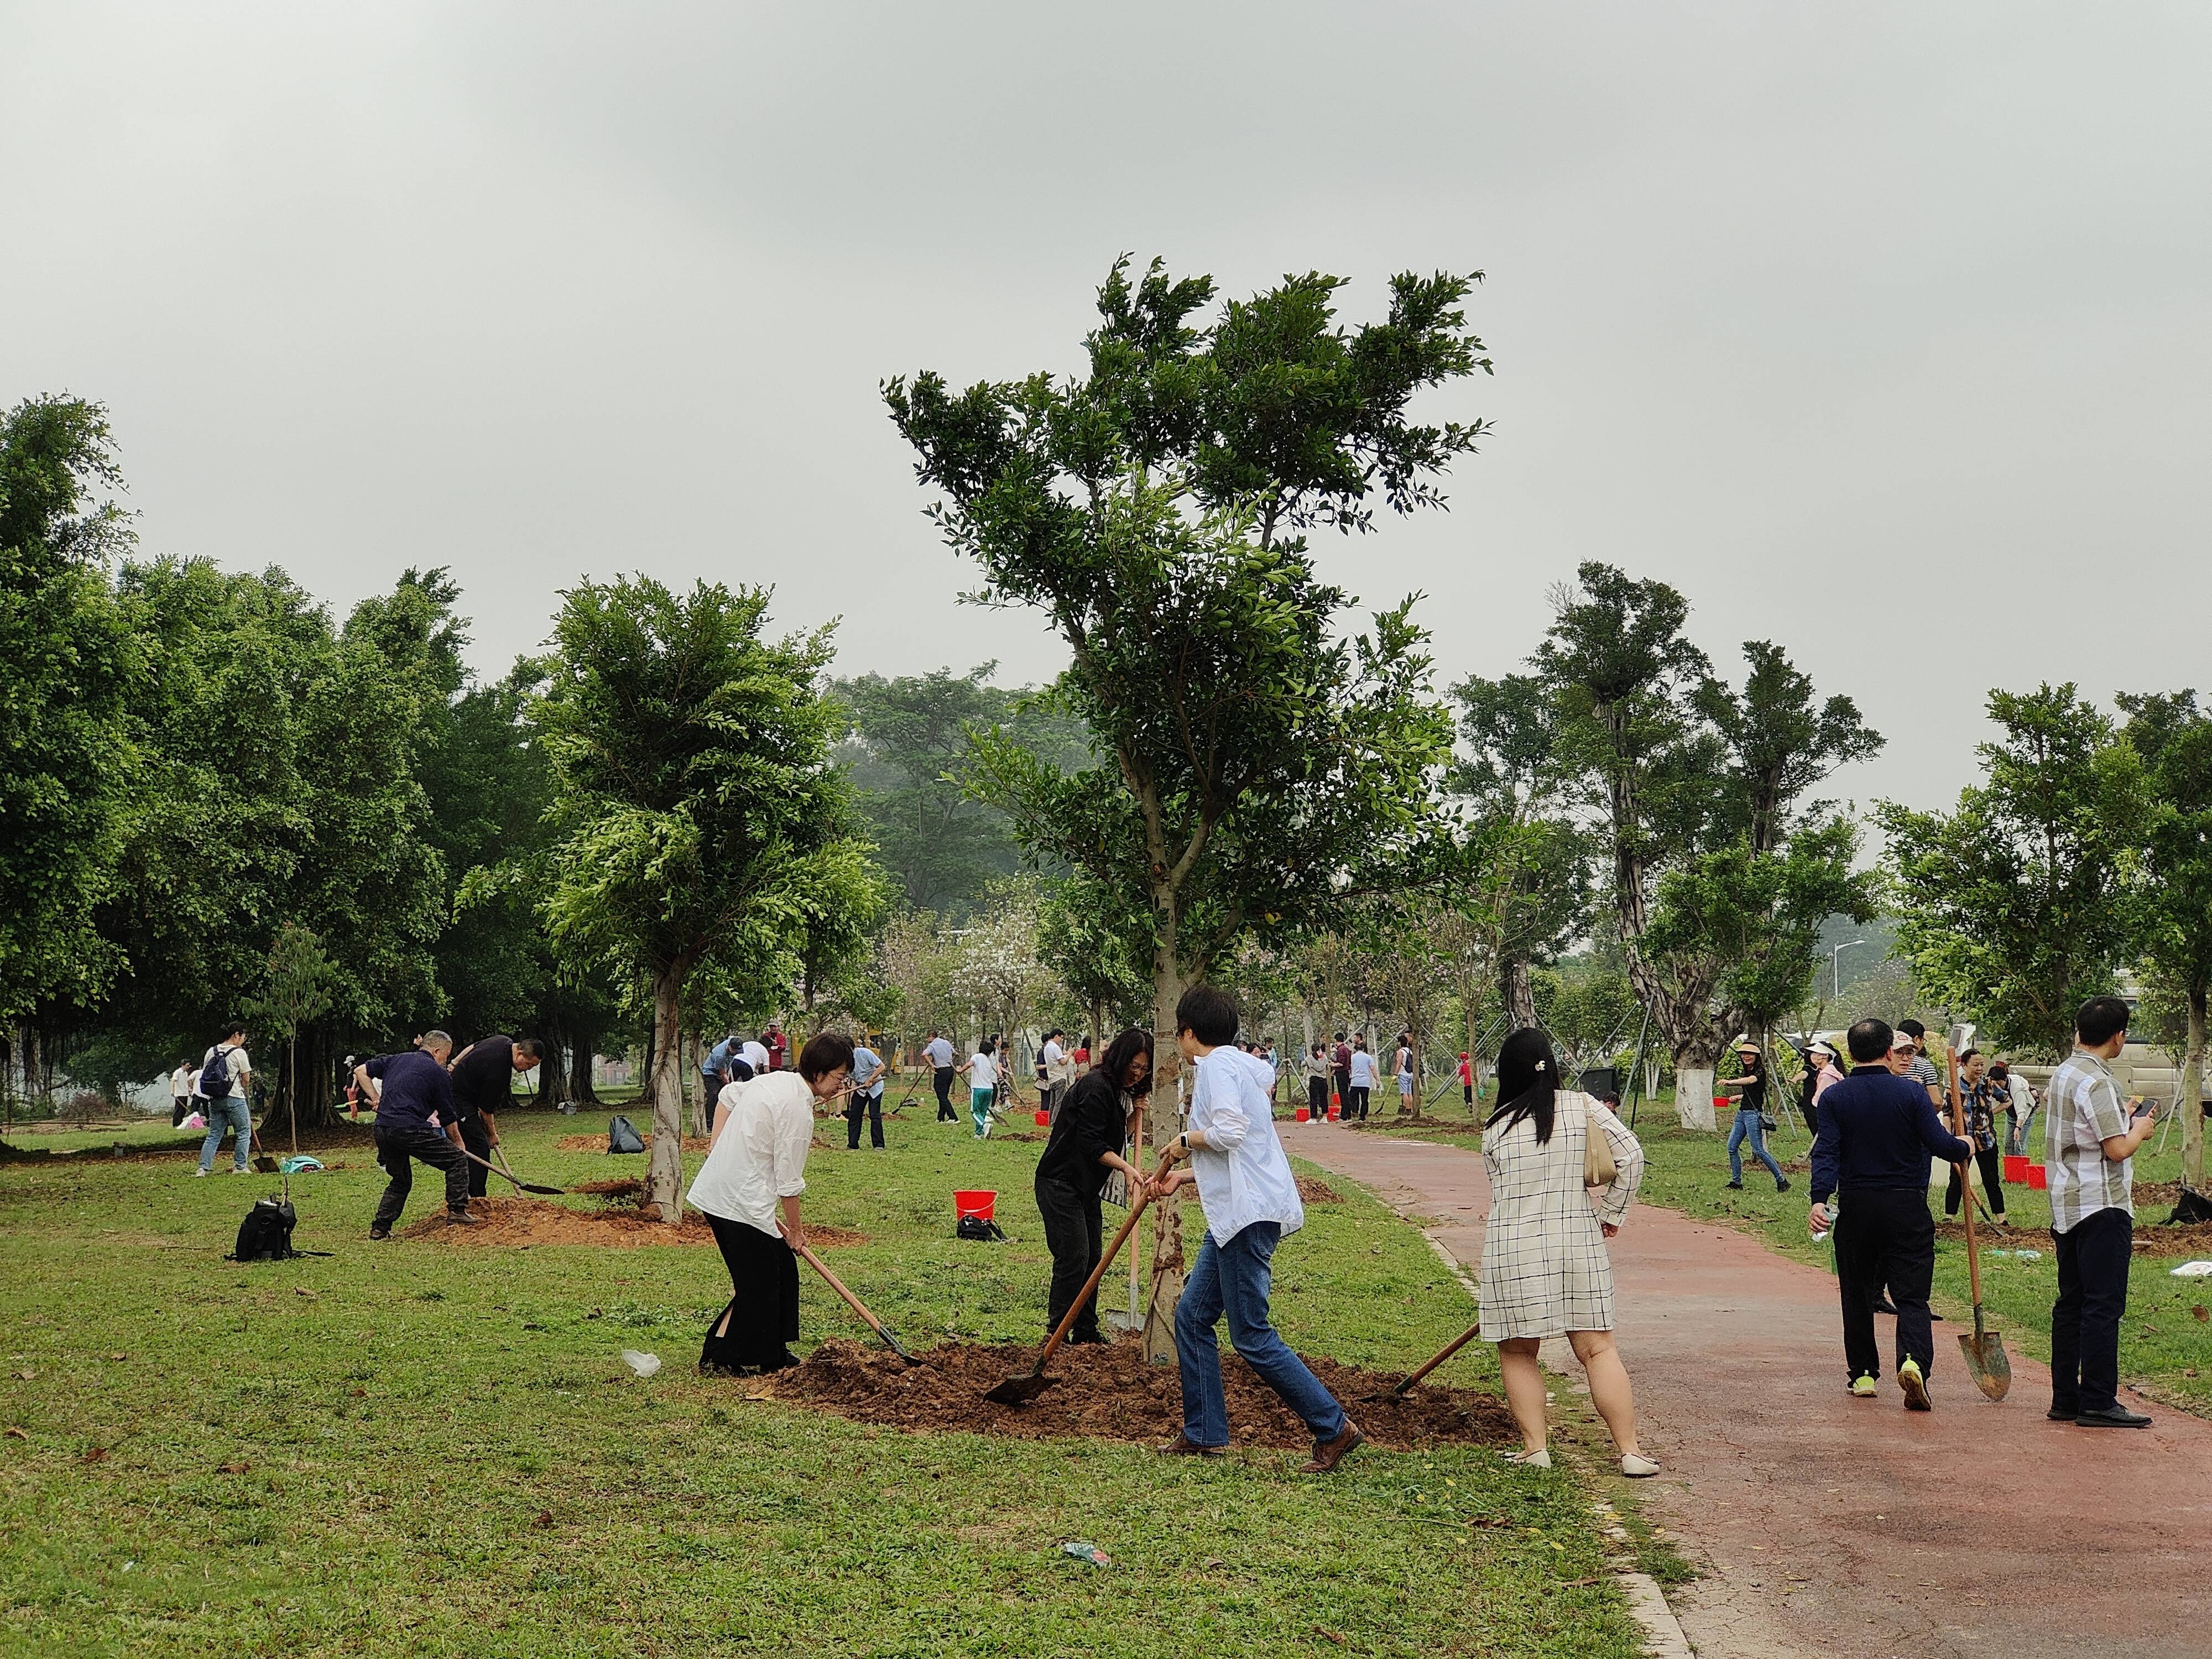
(1599, 1169)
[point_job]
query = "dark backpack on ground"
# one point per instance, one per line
(622, 1136)
(266, 1235)
(214, 1075)
(2193, 1208)
(974, 1226)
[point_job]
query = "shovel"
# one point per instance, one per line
(1020, 1390)
(1446, 1352)
(527, 1187)
(855, 1304)
(1986, 1361)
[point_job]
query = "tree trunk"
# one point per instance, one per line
(552, 1066)
(1694, 1081)
(2192, 1095)
(582, 1043)
(1518, 991)
(1162, 1121)
(664, 1177)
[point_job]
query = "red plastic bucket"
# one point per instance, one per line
(1336, 1111)
(1304, 1114)
(2036, 1179)
(978, 1204)
(1720, 1101)
(2015, 1169)
(1043, 1118)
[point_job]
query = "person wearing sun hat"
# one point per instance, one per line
(1750, 1125)
(1821, 1074)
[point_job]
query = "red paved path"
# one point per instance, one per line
(1834, 1526)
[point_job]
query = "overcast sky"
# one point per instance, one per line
(1879, 330)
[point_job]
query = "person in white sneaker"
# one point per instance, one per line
(227, 1090)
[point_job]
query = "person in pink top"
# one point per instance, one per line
(1820, 1058)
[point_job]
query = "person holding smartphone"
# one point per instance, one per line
(2089, 1141)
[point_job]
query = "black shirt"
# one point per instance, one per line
(1879, 1130)
(484, 1078)
(414, 1086)
(1090, 1123)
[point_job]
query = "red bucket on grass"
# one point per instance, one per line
(1304, 1114)
(2036, 1179)
(1043, 1118)
(1336, 1111)
(2015, 1169)
(979, 1205)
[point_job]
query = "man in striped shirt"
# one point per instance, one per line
(2089, 1138)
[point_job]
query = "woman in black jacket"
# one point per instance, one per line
(1087, 1137)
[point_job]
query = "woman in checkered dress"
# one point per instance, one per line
(1545, 1271)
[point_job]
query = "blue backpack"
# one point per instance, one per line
(214, 1076)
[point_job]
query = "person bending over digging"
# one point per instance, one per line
(415, 1118)
(1250, 1201)
(1088, 1137)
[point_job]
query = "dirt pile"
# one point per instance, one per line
(2151, 1239)
(520, 1222)
(1413, 1121)
(1314, 1190)
(597, 1143)
(1110, 1393)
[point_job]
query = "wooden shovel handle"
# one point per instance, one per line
(1451, 1348)
(838, 1286)
(1090, 1285)
(1966, 1186)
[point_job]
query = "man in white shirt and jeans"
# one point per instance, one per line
(2089, 1141)
(231, 1109)
(1250, 1201)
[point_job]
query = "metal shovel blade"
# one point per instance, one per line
(1985, 1359)
(1020, 1390)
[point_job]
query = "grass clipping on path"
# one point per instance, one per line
(520, 1222)
(1110, 1393)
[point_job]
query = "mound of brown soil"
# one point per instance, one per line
(1414, 1120)
(1110, 1393)
(519, 1223)
(597, 1143)
(2151, 1239)
(1314, 1190)
(2196, 1239)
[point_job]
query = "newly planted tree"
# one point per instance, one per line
(696, 816)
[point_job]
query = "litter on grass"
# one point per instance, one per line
(1108, 1392)
(644, 1364)
(1091, 1552)
(2194, 1270)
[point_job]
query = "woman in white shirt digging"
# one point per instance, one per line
(756, 1167)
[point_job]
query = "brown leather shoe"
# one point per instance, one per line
(1327, 1453)
(1183, 1446)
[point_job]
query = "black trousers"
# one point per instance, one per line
(2085, 1321)
(1342, 1082)
(872, 1105)
(1317, 1096)
(396, 1150)
(943, 1082)
(1072, 1233)
(478, 1140)
(1985, 1157)
(761, 1320)
(1355, 1102)
(1884, 1236)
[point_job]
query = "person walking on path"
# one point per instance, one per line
(1317, 1079)
(484, 1083)
(937, 1051)
(748, 1189)
(2090, 1141)
(1250, 1201)
(1088, 1133)
(416, 1119)
(982, 1069)
(1750, 1125)
(1363, 1081)
(867, 1096)
(1546, 1272)
(1878, 1130)
(226, 1085)
(1979, 1103)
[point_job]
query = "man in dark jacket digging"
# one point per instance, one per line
(483, 1084)
(415, 1118)
(1878, 1131)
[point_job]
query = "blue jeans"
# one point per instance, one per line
(1748, 1128)
(229, 1112)
(1232, 1278)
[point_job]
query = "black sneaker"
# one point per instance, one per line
(2062, 1414)
(1781, 1186)
(2115, 1417)
(380, 1232)
(1735, 1186)
(1886, 1306)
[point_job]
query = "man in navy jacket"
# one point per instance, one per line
(1878, 1131)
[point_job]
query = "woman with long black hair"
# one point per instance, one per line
(1088, 1133)
(749, 1189)
(1545, 1271)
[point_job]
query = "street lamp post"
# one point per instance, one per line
(1836, 967)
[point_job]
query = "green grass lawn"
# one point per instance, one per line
(2165, 1350)
(426, 1450)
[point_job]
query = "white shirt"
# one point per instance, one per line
(756, 1055)
(940, 1052)
(181, 1081)
(1054, 1054)
(759, 1154)
(1243, 1175)
(984, 1072)
(1363, 1069)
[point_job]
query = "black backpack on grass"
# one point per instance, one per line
(266, 1235)
(622, 1136)
(976, 1227)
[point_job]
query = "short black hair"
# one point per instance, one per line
(1914, 1026)
(1207, 1014)
(2101, 1019)
(1965, 1055)
(823, 1053)
(528, 1046)
(231, 1029)
(1340, 1036)
(1868, 1040)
